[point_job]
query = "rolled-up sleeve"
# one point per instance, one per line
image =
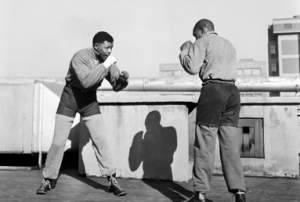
(192, 59)
(88, 74)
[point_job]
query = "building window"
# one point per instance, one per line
(247, 72)
(256, 72)
(288, 26)
(273, 49)
(240, 72)
(288, 46)
(252, 138)
(273, 66)
(290, 65)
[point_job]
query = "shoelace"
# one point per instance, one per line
(114, 181)
(45, 183)
(237, 193)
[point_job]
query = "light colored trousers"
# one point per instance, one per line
(101, 145)
(204, 157)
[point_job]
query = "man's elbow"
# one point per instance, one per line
(189, 67)
(85, 84)
(191, 70)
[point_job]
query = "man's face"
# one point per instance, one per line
(103, 50)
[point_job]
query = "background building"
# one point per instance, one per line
(173, 70)
(284, 48)
(248, 67)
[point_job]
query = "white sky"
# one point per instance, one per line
(38, 37)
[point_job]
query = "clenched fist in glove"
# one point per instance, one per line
(121, 82)
(110, 60)
(113, 73)
(186, 45)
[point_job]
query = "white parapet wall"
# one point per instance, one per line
(16, 121)
(281, 133)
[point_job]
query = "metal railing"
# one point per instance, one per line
(258, 84)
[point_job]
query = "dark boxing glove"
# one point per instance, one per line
(121, 82)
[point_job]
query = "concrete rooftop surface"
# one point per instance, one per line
(20, 185)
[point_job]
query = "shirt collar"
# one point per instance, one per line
(94, 52)
(212, 33)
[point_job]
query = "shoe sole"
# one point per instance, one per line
(41, 193)
(121, 194)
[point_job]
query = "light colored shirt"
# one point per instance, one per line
(86, 72)
(212, 57)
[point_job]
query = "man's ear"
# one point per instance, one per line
(95, 45)
(205, 30)
(198, 33)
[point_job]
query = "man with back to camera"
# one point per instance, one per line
(214, 59)
(87, 69)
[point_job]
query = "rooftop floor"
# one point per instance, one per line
(21, 185)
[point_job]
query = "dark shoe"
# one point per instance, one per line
(114, 187)
(240, 196)
(46, 185)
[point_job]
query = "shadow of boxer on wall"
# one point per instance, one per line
(154, 149)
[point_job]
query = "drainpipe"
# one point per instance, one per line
(37, 119)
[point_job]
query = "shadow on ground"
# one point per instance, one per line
(84, 179)
(171, 190)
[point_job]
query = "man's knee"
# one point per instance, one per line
(58, 144)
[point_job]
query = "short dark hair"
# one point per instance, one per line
(102, 36)
(204, 23)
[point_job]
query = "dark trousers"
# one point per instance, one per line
(217, 116)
